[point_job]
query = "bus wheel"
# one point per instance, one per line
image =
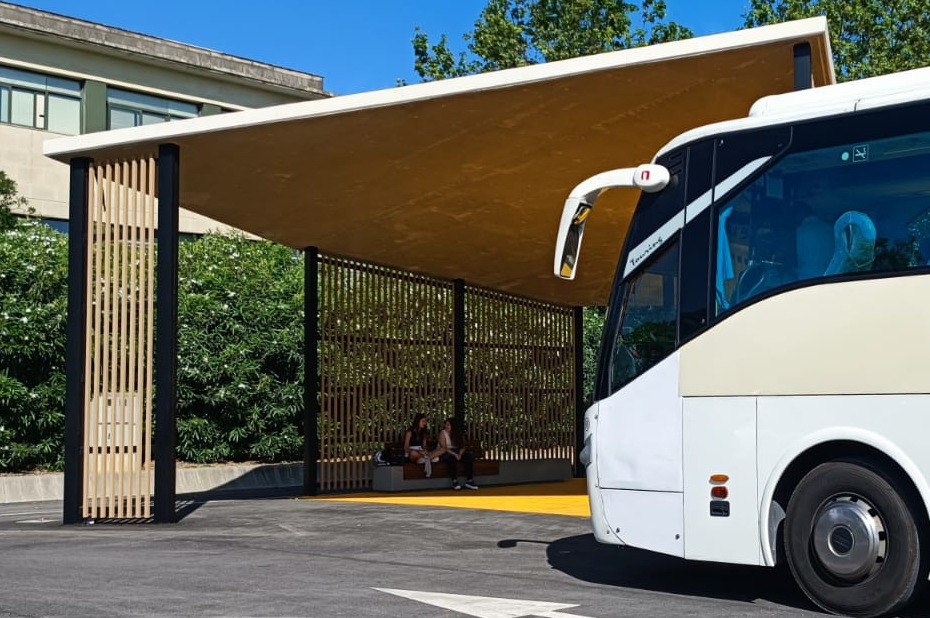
(851, 541)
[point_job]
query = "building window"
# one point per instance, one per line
(132, 109)
(40, 101)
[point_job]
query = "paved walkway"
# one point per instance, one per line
(561, 498)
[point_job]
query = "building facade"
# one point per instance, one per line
(64, 76)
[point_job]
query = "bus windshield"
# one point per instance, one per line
(855, 208)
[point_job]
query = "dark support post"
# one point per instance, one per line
(311, 370)
(166, 336)
(75, 341)
(578, 324)
(458, 351)
(802, 66)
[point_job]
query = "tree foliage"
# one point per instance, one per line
(869, 37)
(593, 327)
(9, 198)
(513, 33)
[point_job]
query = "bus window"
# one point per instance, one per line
(648, 321)
(837, 211)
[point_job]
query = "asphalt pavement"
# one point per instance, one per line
(281, 555)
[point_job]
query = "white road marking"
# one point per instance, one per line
(486, 607)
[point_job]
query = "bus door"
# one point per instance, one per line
(638, 435)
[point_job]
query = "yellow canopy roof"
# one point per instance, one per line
(465, 178)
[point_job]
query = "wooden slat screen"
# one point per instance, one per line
(520, 397)
(386, 353)
(120, 330)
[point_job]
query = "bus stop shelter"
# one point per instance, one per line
(461, 179)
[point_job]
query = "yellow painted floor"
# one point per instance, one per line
(561, 498)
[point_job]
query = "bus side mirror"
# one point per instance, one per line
(572, 244)
(649, 178)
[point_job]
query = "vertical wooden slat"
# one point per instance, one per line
(326, 352)
(93, 410)
(123, 333)
(132, 377)
(90, 357)
(149, 328)
(328, 310)
(107, 334)
(141, 328)
(339, 370)
(349, 380)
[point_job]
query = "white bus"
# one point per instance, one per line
(763, 388)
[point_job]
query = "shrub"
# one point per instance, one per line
(240, 349)
(33, 284)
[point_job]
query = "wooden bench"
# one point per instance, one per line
(417, 471)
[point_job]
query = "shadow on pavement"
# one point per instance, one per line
(189, 503)
(584, 558)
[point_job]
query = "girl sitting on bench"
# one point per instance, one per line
(452, 450)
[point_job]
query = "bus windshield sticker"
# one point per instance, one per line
(653, 242)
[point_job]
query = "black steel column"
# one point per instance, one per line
(76, 339)
(458, 352)
(166, 335)
(578, 324)
(311, 370)
(802, 66)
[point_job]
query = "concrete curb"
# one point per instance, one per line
(42, 487)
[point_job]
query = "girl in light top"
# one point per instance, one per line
(452, 450)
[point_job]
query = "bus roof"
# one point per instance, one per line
(463, 178)
(881, 91)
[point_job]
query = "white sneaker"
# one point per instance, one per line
(470, 484)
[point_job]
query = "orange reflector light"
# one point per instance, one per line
(719, 478)
(719, 492)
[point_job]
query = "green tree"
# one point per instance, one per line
(593, 320)
(513, 33)
(9, 198)
(869, 37)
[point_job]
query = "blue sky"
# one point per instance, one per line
(356, 45)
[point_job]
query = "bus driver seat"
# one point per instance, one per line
(854, 237)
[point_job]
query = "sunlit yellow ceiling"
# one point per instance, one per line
(465, 179)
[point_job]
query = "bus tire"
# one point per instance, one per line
(852, 544)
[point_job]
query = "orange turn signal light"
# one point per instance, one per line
(719, 478)
(719, 492)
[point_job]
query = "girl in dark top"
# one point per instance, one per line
(415, 441)
(452, 450)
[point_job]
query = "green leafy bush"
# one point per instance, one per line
(33, 284)
(240, 351)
